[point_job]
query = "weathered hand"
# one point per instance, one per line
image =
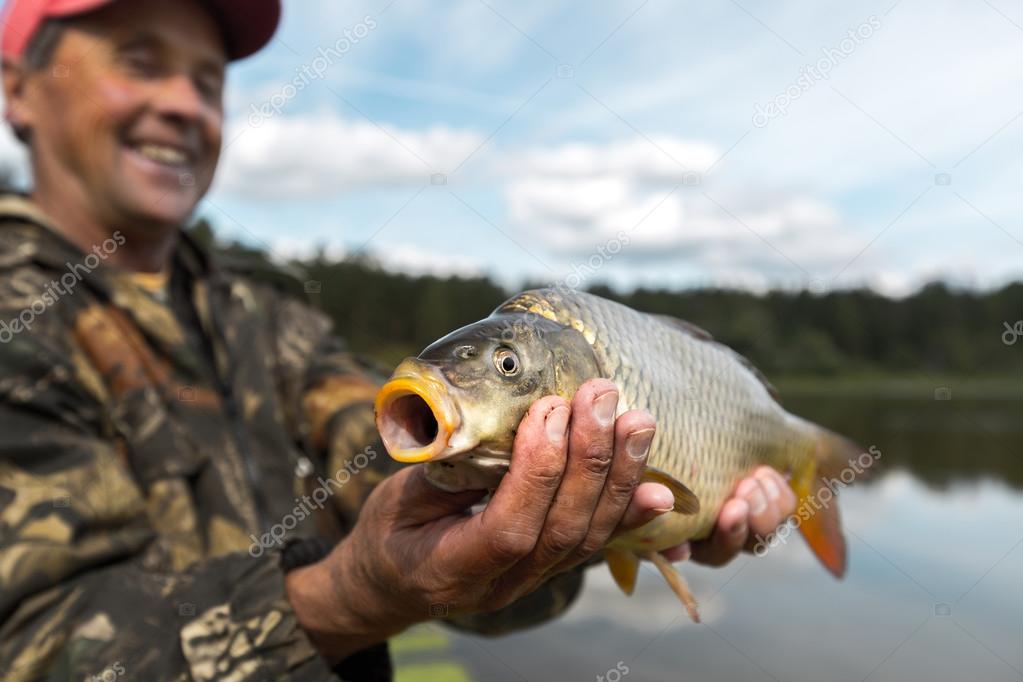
(416, 552)
(761, 503)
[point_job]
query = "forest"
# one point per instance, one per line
(857, 332)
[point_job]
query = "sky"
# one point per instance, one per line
(818, 145)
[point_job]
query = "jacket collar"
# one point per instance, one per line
(27, 235)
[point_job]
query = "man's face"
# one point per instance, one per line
(131, 107)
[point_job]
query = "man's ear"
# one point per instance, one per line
(15, 110)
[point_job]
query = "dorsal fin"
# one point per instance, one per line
(701, 334)
(688, 327)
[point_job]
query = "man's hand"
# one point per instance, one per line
(416, 552)
(762, 501)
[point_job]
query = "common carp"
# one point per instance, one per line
(457, 406)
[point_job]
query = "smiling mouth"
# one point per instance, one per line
(162, 154)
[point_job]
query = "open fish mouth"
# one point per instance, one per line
(415, 414)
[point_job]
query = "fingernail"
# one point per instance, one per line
(738, 528)
(557, 424)
(604, 407)
(637, 444)
(757, 501)
(662, 498)
(773, 491)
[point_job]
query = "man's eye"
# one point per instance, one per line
(142, 63)
(209, 86)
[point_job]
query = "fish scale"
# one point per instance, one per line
(716, 421)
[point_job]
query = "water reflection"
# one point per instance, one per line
(940, 442)
(936, 548)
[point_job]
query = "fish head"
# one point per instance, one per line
(463, 397)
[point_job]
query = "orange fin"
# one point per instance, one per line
(676, 582)
(817, 510)
(624, 567)
(686, 501)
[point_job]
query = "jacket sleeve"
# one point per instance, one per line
(77, 598)
(336, 390)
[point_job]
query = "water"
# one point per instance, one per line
(932, 592)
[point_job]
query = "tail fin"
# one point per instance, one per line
(816, 484)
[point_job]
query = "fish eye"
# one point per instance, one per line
(506, 361)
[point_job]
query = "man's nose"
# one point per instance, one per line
(180, 99)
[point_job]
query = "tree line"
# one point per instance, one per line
(938, 329)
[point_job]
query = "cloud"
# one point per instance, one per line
(404, 258)
(324, 154)
(414, 260)
(659, 159)
(572, 198)
(567, 199)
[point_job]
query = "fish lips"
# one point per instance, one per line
(415, 415)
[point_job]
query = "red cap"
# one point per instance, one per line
(248, 24)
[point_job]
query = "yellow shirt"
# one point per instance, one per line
(153, 282)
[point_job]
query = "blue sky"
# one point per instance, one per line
(556, 126)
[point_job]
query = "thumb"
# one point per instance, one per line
(409, 499)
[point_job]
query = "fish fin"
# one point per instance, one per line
(693, 330)
(818, 513)
(836, 453)
(701, 334)
(624, 567)
(676, 582)
(686, 501)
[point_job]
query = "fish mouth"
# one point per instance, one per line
(415, 414)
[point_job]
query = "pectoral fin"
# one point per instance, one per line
(686, 501)
(624, 567)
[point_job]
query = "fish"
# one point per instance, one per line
(456, 406)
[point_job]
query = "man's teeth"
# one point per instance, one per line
(162, 154)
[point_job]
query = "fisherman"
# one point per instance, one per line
(181, 449)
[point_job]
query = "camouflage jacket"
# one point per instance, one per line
(156, 448)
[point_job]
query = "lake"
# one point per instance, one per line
(932, 592)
